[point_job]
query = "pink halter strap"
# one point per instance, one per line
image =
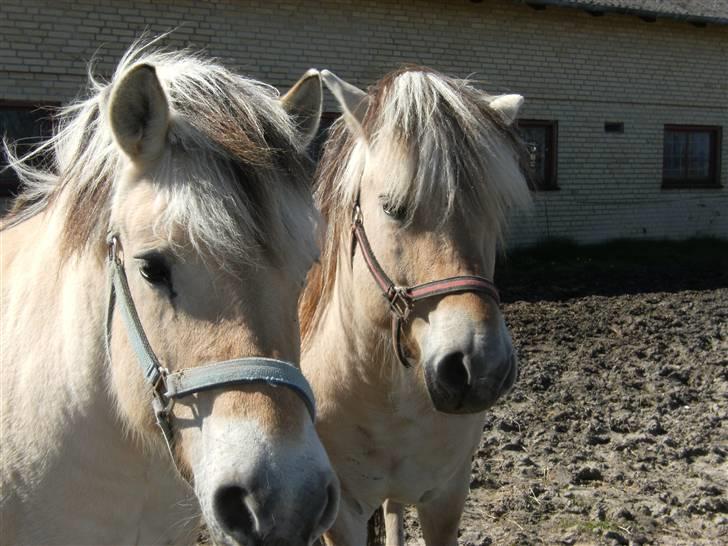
(402, 299)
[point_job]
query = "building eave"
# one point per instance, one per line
(598, 8)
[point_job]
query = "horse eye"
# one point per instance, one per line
(155, 270)
(398, 213)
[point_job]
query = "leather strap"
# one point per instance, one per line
(121, 296)
(402, 299)
(168, 387)
(241, 371)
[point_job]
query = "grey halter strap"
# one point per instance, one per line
(168, 387)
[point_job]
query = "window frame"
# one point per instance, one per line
(9, 182)
(712, 181)
(551, 180)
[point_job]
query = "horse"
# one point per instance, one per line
(403, 339)
(168, 224)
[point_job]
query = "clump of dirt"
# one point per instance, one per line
(617, 430)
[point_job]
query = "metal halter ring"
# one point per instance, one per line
(399, 302)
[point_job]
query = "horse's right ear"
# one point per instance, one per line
(139, 113)
(353, 101)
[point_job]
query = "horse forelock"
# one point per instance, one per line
(463, 156)
(233, 157)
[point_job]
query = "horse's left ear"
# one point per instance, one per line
(304, 102)
(507, 107)
(139, 113)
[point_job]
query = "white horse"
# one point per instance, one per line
(415, 184)
(201, 179)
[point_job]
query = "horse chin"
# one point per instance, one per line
(219, 538)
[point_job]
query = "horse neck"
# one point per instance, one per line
(53, 312)
(61, 299)
(346, 346)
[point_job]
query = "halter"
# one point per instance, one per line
(168, 387)
(402, 299)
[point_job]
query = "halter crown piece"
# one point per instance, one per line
(168, 387)
(402, 299)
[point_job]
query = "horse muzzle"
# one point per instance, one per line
(462, 383)
(258, 490)
(265, 514)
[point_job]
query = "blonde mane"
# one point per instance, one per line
(466, 158)
(236, 161)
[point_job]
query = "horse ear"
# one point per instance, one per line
(139, 113)
(304, 101)
(353, 101)
(507, 107)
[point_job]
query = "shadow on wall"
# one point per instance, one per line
(561, 269)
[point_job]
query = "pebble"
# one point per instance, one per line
(588, 474)
(616, 537)
(625, 514)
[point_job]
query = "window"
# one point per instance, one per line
(541, 139)
(25, 124)
(317, 145)
(691, 157)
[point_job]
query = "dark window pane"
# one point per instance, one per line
(674, 154)
(698, 164)
(25, 127)
(690, 156)
(535, 138)
(540, 140)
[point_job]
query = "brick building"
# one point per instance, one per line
(626, 100)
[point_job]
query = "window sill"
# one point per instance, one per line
(690, 185)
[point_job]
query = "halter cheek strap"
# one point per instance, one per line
(168, 387)
(402, 299)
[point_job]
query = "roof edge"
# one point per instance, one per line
(645, 13)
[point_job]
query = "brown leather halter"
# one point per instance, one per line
(402, 299)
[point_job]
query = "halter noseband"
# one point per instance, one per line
(402, 299)
(168, 387)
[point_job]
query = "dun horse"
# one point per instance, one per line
(174, 229)
(403, 340)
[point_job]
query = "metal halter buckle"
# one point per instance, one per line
(356, 217)
(115, 250)
(399, 302)
(162, 404)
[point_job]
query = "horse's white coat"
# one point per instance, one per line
(82, 461)
(429, 147)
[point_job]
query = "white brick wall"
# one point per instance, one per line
(574, 68)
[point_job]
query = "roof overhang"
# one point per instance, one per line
(599, 8)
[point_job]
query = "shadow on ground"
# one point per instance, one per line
(562, 270)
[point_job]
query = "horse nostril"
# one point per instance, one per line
(453, 372)
(233, 513)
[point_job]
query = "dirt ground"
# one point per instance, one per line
(617, 430)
